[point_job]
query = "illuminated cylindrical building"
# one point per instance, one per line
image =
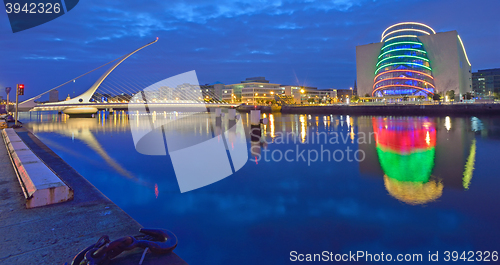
(403, 67)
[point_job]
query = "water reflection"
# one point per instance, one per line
(182, 129)
(447, 123)
(418, 156)
(469, 166)
(303, 128)
(83, 129)
(271, 125)
(406, 150)
(415, 159)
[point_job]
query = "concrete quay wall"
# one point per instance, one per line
(54, 234)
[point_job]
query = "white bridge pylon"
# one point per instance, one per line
(87, 95)
(83, 99)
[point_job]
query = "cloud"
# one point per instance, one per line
(261, 52)
(202, 11)
(340, 5)
(289, 26)
(37, 57)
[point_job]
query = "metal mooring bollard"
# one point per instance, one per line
(218, 117)
(255, 122)
(232, 118)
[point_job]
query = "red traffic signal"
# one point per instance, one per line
(20, 89)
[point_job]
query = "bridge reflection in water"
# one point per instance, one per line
(415, 157)
(83, 129)
(188, 128)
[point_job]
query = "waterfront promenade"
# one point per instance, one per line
(54, 234)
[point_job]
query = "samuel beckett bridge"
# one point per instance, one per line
(179, 93)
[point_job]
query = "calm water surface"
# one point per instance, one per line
(421, 184)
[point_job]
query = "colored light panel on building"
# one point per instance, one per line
(403, 56)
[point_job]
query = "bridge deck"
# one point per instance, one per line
(125, 106)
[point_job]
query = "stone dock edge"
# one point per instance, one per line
(41, 186)
(54, 234)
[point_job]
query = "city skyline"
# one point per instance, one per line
(288, 42)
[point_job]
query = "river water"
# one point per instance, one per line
(398, 185)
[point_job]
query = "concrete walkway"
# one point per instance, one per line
(54, 234)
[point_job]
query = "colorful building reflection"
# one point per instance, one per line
(406, 150)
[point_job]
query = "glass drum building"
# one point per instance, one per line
(412, 62)
(403, 67)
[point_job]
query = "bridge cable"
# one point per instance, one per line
(72, 80)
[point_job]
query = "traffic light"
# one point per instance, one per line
(20, 88)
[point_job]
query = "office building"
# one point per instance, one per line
(251, 91)
(54, 96)
(212, 91)
(486, 82)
